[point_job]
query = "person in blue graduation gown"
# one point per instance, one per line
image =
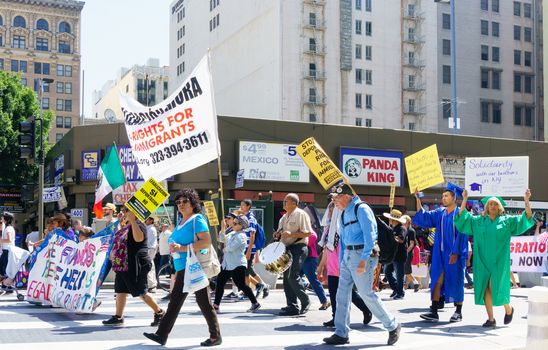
(449, 253)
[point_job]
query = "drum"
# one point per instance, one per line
(275, 259)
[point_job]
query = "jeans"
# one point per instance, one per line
(238, 277)
(309, 268)
(396, 283)
(364, 283)
(333, 285)
(468, 277)
(292, 287)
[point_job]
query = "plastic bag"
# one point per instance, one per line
(195, 277)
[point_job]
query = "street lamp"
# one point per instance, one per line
(41, 159)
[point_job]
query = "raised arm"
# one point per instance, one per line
(526, 198)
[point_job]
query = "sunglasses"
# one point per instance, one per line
(182, 201)
(124, 210)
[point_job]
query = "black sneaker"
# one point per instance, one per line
(289, 312)
(367, 316)
(431, 316)
(260, 287)
(114, 321)
(335, 340)
(254, 307)
(393, 294)
(416, 287)
(330, 323)
(209, 342)
(157, 318)
(490, 324)
(304, 309)
(266, 292)
(508, 318)
(155, 337)
(457, 317)
(394, 335)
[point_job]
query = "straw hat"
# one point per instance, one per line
(395, 215)
(110, 206)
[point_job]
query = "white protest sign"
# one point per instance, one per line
(529, 254)
(77, 213)
(51, 194)
(178, 134)
(497, 176)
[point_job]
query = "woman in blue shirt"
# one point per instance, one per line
(192, 229)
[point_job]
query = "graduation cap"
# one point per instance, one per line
(496, 199)
(476, 187)
(457, 191)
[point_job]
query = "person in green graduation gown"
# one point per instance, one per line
(492, 232)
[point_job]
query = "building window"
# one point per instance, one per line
(517, 33)
(166, 90)
(517, 115)
(368, 28)
(446, 108)
(528, 84)
(495, 29)
(42, 44)
(312, 19)
(64, 46)
(312, 70)
(517, 57)
(368, 5)
(368, 77)
(368, 53)
(1, 41)
(411, 126)
(1, 21)
(495, 79)
(60, 87)
(411, 34)
(484, 5)
(497, 113)
(527, 57)
(411, 105)
(45, 102)
(446, 21)
(42, 24)
(358, 52)
(369, 101)
(485, 79)
(312, 118)
(60, 70)
(68, 105)
(358, 27)
(68, 122)
(312, 97)
(64, 27)
(358, 121)
(527, 10)
(59, 122)
(484, 27)
(14, 65)
(359, 75)
(37, 68)
(358, 4)
(1, 64)
(495, 6)
(528, 116)
(312, 45)
(18, 42)
(527, 36)
(19, 21)
(368, 122)
(484, 53)
(68, 71)
(484, 111)
(59, 104)
(517, 8)
(411, 81)
(58, 137)
(446, 74)
(517, 82)
(68, 88)
(358, 100)
(495, 54)
(446, 47)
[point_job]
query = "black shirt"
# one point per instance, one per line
(401, 232)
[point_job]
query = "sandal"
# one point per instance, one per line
(325, 306)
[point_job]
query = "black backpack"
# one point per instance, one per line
(385, 239)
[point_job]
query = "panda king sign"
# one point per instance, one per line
(372, 167)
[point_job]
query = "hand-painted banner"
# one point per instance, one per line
(423, 169)
(180, 133)
(497, 176)
(51, 194)
(319, 163)
(68, 274)
(529, 254)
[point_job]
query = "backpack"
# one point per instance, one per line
(385, 238)
(259, 237)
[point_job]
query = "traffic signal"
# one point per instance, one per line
(26, 139)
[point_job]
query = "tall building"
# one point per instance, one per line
(370, 63)
(147, 83)
(40, 39)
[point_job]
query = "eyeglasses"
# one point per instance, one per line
(182, 201)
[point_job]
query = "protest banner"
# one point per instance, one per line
(423, 169)
(528, 254)
(319, 163)
(211, 213)
(180, 133)
(497, 176)
(51, 194)
(392, 195)
(372, 167)
(68, 274)
(147, 199)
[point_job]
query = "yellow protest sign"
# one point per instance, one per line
(392, 194)
(319, 163)
(147, 199)
(211, 213)
(423, 169)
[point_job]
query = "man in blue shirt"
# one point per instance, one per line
(358, 259)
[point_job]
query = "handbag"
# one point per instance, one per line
(119, 254)
(195, 276)
(208, 259)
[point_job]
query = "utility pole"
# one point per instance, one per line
(41, 159)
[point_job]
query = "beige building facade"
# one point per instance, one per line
(40, 39)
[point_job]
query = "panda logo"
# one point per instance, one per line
(353, 168)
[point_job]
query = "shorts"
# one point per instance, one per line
(407, 269)
(250, 271)
(131, 283)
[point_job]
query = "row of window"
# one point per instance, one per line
(367, 5)
(368, 27)
(213, 4)
(62, 105)
(523, 115)
(41, 24)
(527, 33)
(495, 6)
(180, 50)
(214, 23)
(495, 53)
(368, 122)
(181, 32)
(41, 44)
(523, 82)
(368, 101)
(491, 112)
(180, 15)
(495, 28)
(490, 78)
(63, 122)
(39, 68)
(368, 52)
(526, 9)
(527, 58)
(180, 68)
(360, 76)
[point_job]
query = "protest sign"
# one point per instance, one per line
(180, 133)
(240, 179)
(497, 176)
(319, 163)
(528, 254)
(211, 213)
(147, 199)
(392, 195)
(423, 169)
(372, 167)
(68, 274)
(51, 194)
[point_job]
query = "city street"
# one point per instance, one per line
(24, 326)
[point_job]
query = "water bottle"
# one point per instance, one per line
(174, 255)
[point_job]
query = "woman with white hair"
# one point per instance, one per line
(492, 232)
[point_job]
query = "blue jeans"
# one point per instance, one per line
(364, 283)
(396, 283)
(309, 268)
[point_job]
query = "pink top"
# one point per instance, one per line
(312, 240)
(332, 261)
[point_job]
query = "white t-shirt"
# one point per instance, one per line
(152, 237)
(8, 232)
(163, 243)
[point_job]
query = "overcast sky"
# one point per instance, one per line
(121, 33)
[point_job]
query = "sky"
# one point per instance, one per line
(121, 33)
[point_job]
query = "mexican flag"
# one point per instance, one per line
(110, 176)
